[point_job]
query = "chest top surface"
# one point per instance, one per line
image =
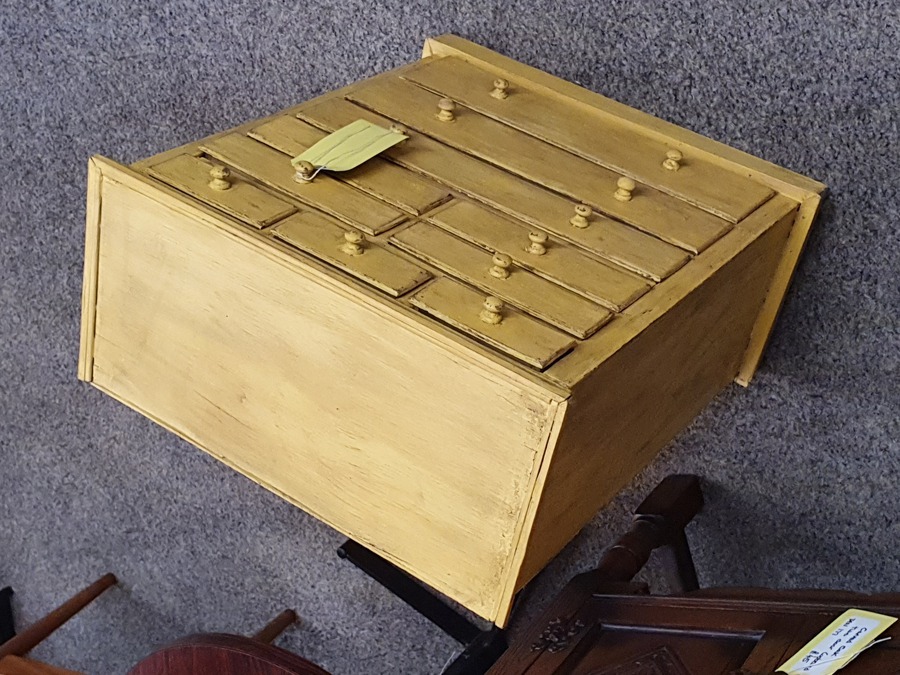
(540, 225)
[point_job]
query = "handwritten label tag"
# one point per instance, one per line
(837, 645)
(350, 146)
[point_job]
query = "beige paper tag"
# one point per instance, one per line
(841, 642)
(350, 146)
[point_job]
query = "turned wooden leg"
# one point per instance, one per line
(29, 638)
(276, 626)
(659, 522)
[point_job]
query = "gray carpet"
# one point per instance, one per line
(800, 470)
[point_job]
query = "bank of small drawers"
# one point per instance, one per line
(522, 234)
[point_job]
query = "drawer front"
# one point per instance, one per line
(325, 193)
(648, 209)
(504, 328)
(611, 287)
(543, 208)
(347, 250)
(204, 180)
(595, 135)
(497, 276)
(388, 182)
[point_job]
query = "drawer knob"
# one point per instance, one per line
(354, 243)
(625, 187)
(673, 160)
(446, 107)
(491, 311)
(582, 213)
(219, 178)
(501, 88)
(305, 172)
(538, 243)
(501, 265)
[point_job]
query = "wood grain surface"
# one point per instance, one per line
(456, 352)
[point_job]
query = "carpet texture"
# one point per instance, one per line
(800, 470)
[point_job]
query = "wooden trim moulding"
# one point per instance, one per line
(91, 269)
(768, 314)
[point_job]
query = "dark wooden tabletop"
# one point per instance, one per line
(219, 654)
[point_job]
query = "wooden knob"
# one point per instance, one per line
(305, 171)
(399, 129)
(445, 110)
(491, 311)
(538, 241)
(353, 242)
(582, 213)
(219, 178)
(501, 265)
(673, 160)
(625, 187)
(501, 88)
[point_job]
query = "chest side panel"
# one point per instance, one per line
(318, 396)
(652, 385)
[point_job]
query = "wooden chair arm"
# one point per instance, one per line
(29, 638)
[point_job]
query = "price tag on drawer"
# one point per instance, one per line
(272, 168)
(346, 149)
(389, 182)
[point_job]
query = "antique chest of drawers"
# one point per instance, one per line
(458, 351)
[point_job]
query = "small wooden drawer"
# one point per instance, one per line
(610, 286)
(497, 275)
(232, 194)
(458, 351)
(489, 320)
(348, 250)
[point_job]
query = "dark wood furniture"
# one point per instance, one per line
(224, 655)
(603, 624)
(195, 655)
(13, 650)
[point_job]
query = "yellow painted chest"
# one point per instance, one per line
(458, 351)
